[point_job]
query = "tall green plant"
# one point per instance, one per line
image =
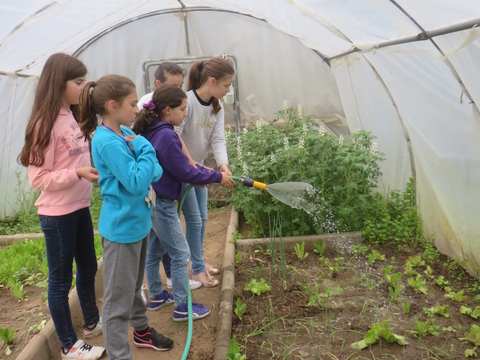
(292, 149)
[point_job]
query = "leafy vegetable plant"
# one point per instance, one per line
(300, 251)
(257, 288)
(377, 331)
(240, 309)
(418, 284)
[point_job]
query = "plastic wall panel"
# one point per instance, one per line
(446, 146)
(368, 107)
(124, 50)
(17, 96)
(272, 66)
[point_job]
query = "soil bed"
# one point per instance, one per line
(280, 324)
(23, 315)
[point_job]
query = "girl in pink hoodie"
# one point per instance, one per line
(58, 160)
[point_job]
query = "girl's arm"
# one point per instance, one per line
(217, 140)
(175, 161)
(134, 174)
(44, 178)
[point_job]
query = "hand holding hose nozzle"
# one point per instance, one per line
(249, 182)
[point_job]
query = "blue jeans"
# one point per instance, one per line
(167, 235)
(195, 211)
(67, 237)
(167, 265)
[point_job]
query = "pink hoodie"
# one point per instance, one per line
(62, 192)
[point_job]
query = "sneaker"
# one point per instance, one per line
(160, 300)
(193, 284)
(152, 340)
(198, 312)
(89, 332)
(83, 351)
(206, 279)
(210, 268)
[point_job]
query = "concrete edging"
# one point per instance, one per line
(7, 240)
(225, 312)
(45, 345)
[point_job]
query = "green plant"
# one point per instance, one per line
(238, 258)
(430, 251)
(321, 298)
(429, 273)
(257, 288)
(418, 284)
(424, 328)
(17, 289)
(457, 296)
(234, 351)
(437, 310)
(343, 171)
(472, 337)
(377, 331)
(240, 309)
(300, 251)
(406, 307)
(7, 336)
(395, 291)
(475, 314)
(334, 268)
(320, 248)
(440, 281)
(236, 236)
(409, 269)
(374, 256)
(394, 218)
(416, 261)
(360, 249)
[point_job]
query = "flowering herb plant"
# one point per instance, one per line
(292, 148)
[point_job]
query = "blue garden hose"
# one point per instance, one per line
(189, 294)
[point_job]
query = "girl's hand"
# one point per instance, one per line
(227, 181)
(224, 169)
(89, 173)
(129, 138)
(198, 166)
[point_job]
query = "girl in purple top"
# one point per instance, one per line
(156, 123)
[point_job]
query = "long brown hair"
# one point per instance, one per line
(217, 68)
(165, 96)
(58, 69)
(95, 95)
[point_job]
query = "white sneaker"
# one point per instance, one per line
(83, 351)
(193, 284)
(97, 330)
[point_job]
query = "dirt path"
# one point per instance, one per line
(203, 340)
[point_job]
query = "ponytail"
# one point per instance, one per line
(217, 68)
(165, 96)
(88, 118)
(95, 95)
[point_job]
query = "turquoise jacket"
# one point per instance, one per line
(125, 177)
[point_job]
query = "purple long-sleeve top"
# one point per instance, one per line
(176, 169)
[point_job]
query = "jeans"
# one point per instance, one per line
(67, 237)
(195, 211)
(167, 265)
(167, 235)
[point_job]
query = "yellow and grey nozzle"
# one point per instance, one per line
(249, 182)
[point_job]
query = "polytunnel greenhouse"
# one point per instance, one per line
(406, 71)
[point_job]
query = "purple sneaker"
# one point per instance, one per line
(198, 312)
(160, 300)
